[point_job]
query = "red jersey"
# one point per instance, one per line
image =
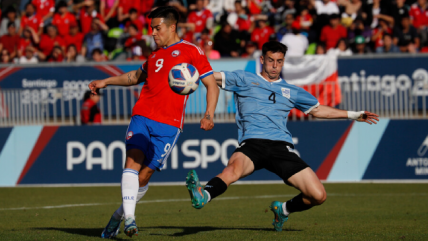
(35, 22)
(130, 42)
(47, 44)
(244, 23)
(157, 101)
(261, 36)
(379, 40)
(10, 42)
(126, 5)
(76, 40)
(24, 43)
(418, 15)
(199, 19)
(86, 19)
(331, 36)
(90, 112)
(62, 23)
(44, 7)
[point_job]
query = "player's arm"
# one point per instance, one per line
(327, 112)
(218, 78)
(131, 78)
(207, 123)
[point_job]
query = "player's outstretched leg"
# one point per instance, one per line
(239, 166)
(312, 194)
(197, 193)
(113, 226)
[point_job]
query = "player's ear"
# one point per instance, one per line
(262, 60)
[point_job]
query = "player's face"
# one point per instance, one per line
(162, 33)
(272, 64)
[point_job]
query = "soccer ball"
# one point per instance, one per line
(183, 79)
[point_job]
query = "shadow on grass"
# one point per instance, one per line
(96, 232)
(194, 230)
(90, 232)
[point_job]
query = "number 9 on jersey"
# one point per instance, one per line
(183, 79)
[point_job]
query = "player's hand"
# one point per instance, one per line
(368, 117)
(207, 122)
(97, 84)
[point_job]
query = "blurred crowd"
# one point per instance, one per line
(33, 31)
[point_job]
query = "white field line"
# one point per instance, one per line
(218, 199)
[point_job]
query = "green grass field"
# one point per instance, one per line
(351, 212)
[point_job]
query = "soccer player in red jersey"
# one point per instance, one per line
(63, 19)
(158, 115)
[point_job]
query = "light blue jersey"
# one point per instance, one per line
(263, 106)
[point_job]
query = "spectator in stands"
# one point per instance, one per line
(29, 38)
(378, 33)
(201, 17)
(399, 9)
(5, 57)
(108, 11)
(331, 33)
(133, 38)
(405, 35)
(90, 113)
(10, 41)
(320, 49)
(286, 28)
(73, 55)
(74, 37)
(98, 55)
(406, 47)
(262, 32)
(225, 41)
(355, 8)
(28, 56)
(57, 55)
(133, 20)
(296, 42)
(304, 21)
(94, 39)
(123, 11)
(388, 45)
(380, 13)
(44, 8)
(87, 14)
(210, 52)
(51, 40)
(32, 20)
(419, 16)
(239, 19)
(358, 28)
(251, 50)
(342, 48)
(63, 19)
(325, 7)
(205, 37)
(146, 6)
(11, 16)
(360, 45)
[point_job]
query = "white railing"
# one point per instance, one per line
(62, 106)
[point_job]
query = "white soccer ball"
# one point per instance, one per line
(183, 79)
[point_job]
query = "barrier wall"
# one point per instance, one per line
(336, 150)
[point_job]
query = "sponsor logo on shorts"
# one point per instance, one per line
(129, 135)
(285, 92)
(243, 143)
(175, 53)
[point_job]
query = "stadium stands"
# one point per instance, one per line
(25, 32)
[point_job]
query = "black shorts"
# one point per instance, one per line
(275, 156)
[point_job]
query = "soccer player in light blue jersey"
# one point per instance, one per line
(263, 102)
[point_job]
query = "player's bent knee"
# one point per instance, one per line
(230, 175)
(319, 197)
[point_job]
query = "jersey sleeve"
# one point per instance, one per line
(144, 66)
(201, 63)
(305, 101)
(233, 81)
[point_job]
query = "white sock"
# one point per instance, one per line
(284, 209)
(129, 192)
(118, 214)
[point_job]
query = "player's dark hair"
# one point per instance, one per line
(274, 47)
(170, 14)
